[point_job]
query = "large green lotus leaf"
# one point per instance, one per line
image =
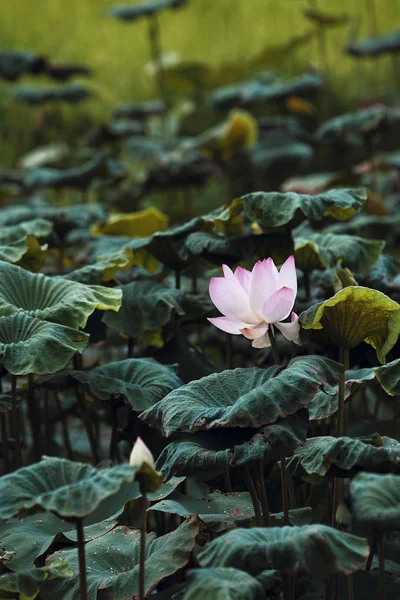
(376, 501)
(389, 377)
(69, 489)
(146, 306)
(357, 314)
(242, 397)
(204, 451)
(315, 549)
(274, 209)
(26, 538)
(14, 63)
(221, 512)
(383, 277)
(26, 251)
(169, 247)
(29, 345)
(114, 562)
(381, 121)
(222, 584)
(105, 269)
(139, 381)
(52, 298)
(325, 402)
(27, 583)
(40, 228)
(218, 248)
(130, 12)
(326, 250)
(375, 46)
(141, 110)
(74, 177)
(33, 96)
(346, 455)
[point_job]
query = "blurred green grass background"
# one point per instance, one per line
(213, 31)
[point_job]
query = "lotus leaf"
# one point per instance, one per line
(51, 298)
(357, 314)
(242, 397)
(30, 345)
(114, 562)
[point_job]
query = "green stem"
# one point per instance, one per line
(228, 351)
(82, 560)
(227, 481)
(177, 279)
(382, 578)
(350, 587)
(88, 424)
(253, 493)
(4, 442)
(275, 352)
(341, 418)
(143, 531)
(34, 419)
(64, 428)
(15, 422)
(284, 484)
(307, 285)
(156, 55)
(263, 494)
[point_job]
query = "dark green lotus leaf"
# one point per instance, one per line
(223, 583)
(169, 246)
(105, 269)
(346, 455)
(27, 583)
(14, 63)
(356, 314)
(375, 46)
(277, 157)
(325, 402)
(5, 403)
(130, 12)
(389, 377)
(141, 110)
(33, 96)
(191, 454)
(221, 512)
(270, 580)
(141, 382)
(114, 562)
(40, 228)
(383, 277)
(255, 91)
(274, 209)
(146, 306)
(65, 71)
(113, 132)
(69, 489)
(219, 249)
(26, 251)
(315, 549)
(192, 362)
(242, 397)
(26, 538)
(51, 298)
(326, 250)
(75, 177)
(362, 123)
(376, 501)
(30, 345)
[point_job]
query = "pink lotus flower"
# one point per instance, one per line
(252, 302)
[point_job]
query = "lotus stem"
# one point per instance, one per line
(64, 428)
(15, 422)
(34, 418)
(143, 531)
(4, 442)
(350, 587)
(114, 434)
(177, 279)
(307, 285)
(341, 418)
(254, 497)
(78, 361)
(156, 55)
(82, 560)
(263, 494)
(227, 481)
(285, 496)
(228, 351)
(274, 347)
(131, 343)
(88, 425)
(370, 557)
(381, 557)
